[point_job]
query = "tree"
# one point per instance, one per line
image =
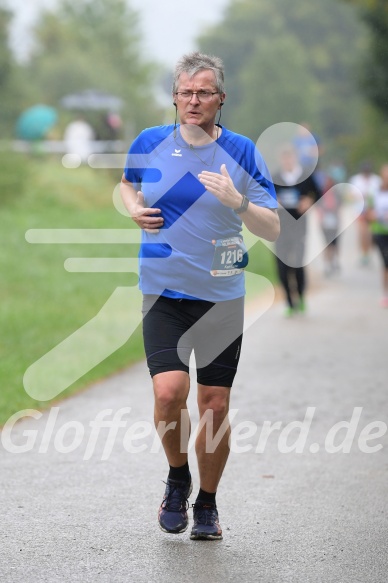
(11, 89)
(5, 53)
(374, 70)
(296, 59)
(260, 105)
(92, 44)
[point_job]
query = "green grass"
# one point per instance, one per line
(41, 304)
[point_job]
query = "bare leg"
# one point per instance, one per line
(171, 390)
(385, 282)
(365, 238)
(211, 463)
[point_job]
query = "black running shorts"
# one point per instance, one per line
(174, 328)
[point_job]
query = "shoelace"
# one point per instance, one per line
(205, 514)
(173, 501)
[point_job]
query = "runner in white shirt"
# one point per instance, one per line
(377, 215)
(367, 183)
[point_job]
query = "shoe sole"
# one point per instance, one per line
(206, 536)
(173, 531)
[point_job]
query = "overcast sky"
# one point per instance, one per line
(169, 26)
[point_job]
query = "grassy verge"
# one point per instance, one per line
(41, 303)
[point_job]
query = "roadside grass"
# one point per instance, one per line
(41, 303)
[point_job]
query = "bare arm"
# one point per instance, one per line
(262, 222)
(148, 219)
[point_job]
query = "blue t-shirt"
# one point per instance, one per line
(177, 261)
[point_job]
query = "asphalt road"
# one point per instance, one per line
(301, 503)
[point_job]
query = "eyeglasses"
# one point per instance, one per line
(202, 96)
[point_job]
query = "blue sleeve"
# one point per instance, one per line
(260, 188)
(133, 170)
(138, 167)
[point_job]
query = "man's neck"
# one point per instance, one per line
(198, 136)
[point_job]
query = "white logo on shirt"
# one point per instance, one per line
(177, 153)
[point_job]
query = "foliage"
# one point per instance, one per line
(374, 73)
(5, 54)
(370, 143)
(10, 80)
(289, 61)
(92, 45)
(258, 99)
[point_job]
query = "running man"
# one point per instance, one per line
(197, 184)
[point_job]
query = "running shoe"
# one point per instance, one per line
(206, 525)
(289, 312)
(173, 510)
(301, 306)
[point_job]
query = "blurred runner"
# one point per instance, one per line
(377, 216)
(307, 146)
(367, 182)
(78, 138)
(329, 218)
(296, 195)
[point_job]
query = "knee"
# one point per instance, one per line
(216, 404)
(169, 396)
(167, 399)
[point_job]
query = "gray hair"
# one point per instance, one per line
(192, 63)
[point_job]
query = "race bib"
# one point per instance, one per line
(230, 257)
(289, 197)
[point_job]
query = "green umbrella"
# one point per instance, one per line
(35, 122)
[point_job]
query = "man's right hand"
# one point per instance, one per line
(144, 217)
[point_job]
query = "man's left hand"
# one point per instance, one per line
(221, 185)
